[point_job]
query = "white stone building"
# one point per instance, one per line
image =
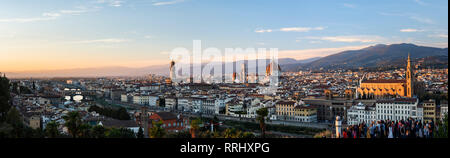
(184, 104)
(361, 113)
(171, 103)
(141, 99)
(153, 100)
(397, 109)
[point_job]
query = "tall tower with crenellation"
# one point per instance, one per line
(409, 79)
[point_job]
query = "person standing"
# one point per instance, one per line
(420, 130)
(391, 131)
(372, 131)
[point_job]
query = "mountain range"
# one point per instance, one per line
(375, 56)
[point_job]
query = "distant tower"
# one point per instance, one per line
(243, 73)
(268, 70)
(273, 72)
(409, 79)
(172, 70)
(357, 91)
(234, 77)
(144, 121)
(338, 126)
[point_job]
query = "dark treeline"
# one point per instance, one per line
(279, 128)
(16, 88)
(120, 113)
(11, 121)
(79, 129)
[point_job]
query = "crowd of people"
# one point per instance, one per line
(391, 129)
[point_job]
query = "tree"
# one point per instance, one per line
(182, 134)
(123, 114)
(84, 131)
(51, 130)
(4, 97)
(140, 133)
(13, 117)
(238, 134)
(216, 134)
(262, 114)
(228, 133)
(443, 128)
(73, 122)
(157, 131)
(195, 125)
(120, 114)
(6, 130)
(120, 133)
(248, 135)
(98, 132)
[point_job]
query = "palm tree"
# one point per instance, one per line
(51, 130)
(262, 114)
(73, 122)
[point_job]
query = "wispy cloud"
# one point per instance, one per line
(315, 42)
(348, 5)
(291, 29)
(411, 16)
(422, 19)
(73, 12)
(439, 36)
(168, 2)
(105, 41)
(349, 39)
(44, 17)
(113, 3)
(263, 31)
(47, 16)
(301, 29)
(420, 2)
(411, 30)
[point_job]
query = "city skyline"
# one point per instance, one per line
(106, 33)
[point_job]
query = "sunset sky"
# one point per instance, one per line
(57, 34)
